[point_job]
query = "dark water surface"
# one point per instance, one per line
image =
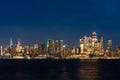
(59, 70)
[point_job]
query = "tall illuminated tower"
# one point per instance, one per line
(11, 42)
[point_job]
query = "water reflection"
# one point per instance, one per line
(80, 71)
(59, 70)
(89, 71)
(74, 71)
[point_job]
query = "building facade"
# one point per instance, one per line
(91, 45)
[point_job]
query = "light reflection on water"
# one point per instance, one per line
(89, 71)
(59, 70)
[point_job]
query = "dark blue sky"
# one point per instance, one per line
(38, 20)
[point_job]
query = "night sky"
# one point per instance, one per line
(38, 20)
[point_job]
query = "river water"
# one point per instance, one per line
(59, 70)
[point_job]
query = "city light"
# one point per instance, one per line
(89, 47)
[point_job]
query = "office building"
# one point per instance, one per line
(91, 45)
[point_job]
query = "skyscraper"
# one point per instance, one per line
(19, 47)
(91, 45)
(11, 42)
(51, 46)
(109, 48)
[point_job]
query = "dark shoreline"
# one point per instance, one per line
(58, 60)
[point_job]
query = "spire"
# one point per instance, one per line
(11, 42)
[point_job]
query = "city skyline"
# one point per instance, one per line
(37, 21)
(12, 41)
(90, 46)
(60, 39)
